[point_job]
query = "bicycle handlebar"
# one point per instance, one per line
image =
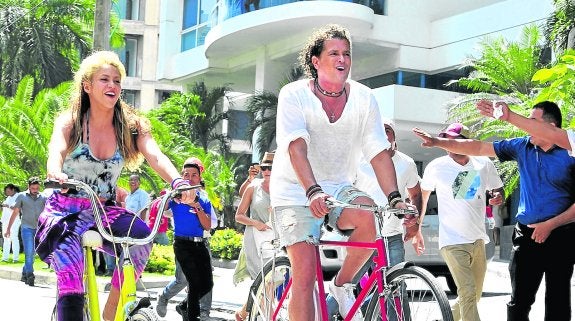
(98, 208)
(399, 212)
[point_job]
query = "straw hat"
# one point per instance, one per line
(267, 160)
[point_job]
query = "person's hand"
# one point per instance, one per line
(496, 198)
(7, 234)
(491, 222)
(409, 221)
(428, 140)
(252, 172)
(541, 231)
(317, 204)
(57, 176)
(261, 226)
(418, 243)
(486, 108)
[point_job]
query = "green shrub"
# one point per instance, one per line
(226, 244)
(162, 260)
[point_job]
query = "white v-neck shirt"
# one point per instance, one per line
(334, 149)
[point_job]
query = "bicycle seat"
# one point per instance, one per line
(91, 239)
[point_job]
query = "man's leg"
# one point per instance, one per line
(28, 240)
(479, 267)
(177, 284)
(525, 273)
(459, 261)
(197, 268)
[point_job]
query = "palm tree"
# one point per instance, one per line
(560, 25)
(196, 115)
(504, 71)
(25, 129)
(42, 38)
(263, 107)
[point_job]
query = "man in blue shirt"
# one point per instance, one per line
(190, 221)
(546, 194)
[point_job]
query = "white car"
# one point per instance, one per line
(431, 260)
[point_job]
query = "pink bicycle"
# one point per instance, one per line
(403, 292)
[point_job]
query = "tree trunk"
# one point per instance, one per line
(102, 25)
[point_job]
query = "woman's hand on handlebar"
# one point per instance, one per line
(57, 176)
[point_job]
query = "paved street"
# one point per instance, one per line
(21, 302)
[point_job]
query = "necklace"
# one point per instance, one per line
(331, 111)
(329, 93)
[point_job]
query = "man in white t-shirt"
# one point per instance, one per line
(461, 183)
(407, 181)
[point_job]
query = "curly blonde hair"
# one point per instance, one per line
(314, 46)
(127, 123)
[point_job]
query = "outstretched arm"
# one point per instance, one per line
(469, 147)
(535, 128)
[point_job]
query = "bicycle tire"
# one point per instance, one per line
(267, 302)
(422, 297)
(145, 314)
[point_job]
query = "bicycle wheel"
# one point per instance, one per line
(413, 293)
(145, 314)
(264, 297)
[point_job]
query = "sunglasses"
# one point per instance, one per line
(266, 168)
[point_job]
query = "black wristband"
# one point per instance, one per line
(392, 195)
(309, 189)
(394, 201)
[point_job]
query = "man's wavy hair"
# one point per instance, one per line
(315, 43)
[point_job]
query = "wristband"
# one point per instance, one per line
(392, 195)
(311, 188)
(394, 201)
(178, 182)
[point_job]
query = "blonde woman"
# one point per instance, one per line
(91, 142)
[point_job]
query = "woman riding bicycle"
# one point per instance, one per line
(91, 142)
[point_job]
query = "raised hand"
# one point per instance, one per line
(428, 140)
(493, 109)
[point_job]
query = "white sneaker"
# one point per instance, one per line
(345, 299)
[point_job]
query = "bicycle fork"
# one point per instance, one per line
(127, 300)
(91, 285)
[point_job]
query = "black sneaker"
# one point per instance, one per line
(30, 280)
(182, 311)
(24, 278)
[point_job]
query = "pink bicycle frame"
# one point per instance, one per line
(380, 260)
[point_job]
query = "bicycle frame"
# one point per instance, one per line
(127, 300)
(375, 279)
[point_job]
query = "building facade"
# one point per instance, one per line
(140, 21)
(406, 50)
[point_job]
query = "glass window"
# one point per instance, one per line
(131, 97)
(189, 40)
(129, 56)
(206, 8)
(128, 9)
(238, 121)
(163, 95)
(190, 14)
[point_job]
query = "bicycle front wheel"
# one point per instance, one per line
(411, 294)
(145, 314)
(268, 296)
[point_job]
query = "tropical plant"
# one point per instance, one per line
(197, 115)
(25, 129)
(559, 24)
(504, 71)
(43, 39)
(262, 106)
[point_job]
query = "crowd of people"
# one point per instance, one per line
(332, 141)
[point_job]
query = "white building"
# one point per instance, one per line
(140, 23)
(404, 49)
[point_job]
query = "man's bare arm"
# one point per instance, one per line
(469, 147)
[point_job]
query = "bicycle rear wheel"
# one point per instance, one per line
(413, 293)
(268, 290)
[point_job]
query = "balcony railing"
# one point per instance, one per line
(226, 9)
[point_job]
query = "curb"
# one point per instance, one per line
(48, 277)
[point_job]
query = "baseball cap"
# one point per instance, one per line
(195, 161)
(455, 130)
